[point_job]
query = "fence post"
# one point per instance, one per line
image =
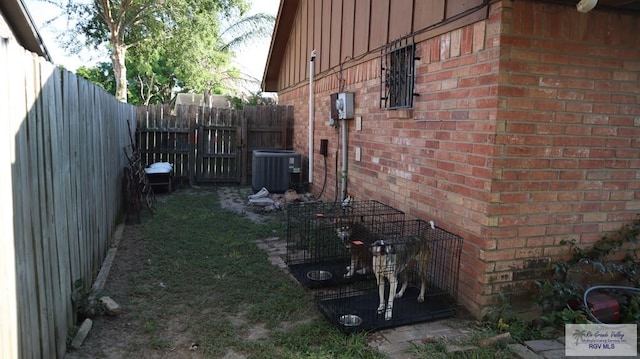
(192, 142)
(198, 114)
(243, 148)
(281, 115)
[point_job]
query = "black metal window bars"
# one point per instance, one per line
(397, 73)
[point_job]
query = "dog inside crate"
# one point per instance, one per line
(393, 262)
(415, 266)
(357, 239)
(329, 244)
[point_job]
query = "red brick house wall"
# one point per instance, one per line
(526, 132)
(567, 155)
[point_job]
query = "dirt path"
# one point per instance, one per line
(114, 337)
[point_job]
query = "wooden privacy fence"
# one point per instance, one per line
(60, 171)
(208, 145)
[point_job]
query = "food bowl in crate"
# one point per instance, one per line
(319, 275)
(350, 320)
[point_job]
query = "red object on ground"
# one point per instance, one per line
(604, 307)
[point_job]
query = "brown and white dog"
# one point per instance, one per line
(397, 258)
(352, 236)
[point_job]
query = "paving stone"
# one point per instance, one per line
(451, 334)
(405, 333)
(553, 354)
(411, 333)
(539, 346)
(522, 352)
(494, 339)
(395, 336)
(77, 341)
(278, 262)
(111, 307)
(432, 326)
(376, 340)
(396, 350)
(438, 330)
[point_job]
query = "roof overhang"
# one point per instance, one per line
(282, 29)
(23, 27)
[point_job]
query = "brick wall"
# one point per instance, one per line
(516, 141)
(567, 158)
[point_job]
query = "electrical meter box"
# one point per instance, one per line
(344, 105)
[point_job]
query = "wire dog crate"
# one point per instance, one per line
(419, 250)
(328, 243)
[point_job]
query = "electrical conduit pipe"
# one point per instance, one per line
(311, 115)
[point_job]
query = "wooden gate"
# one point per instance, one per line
(211, 145)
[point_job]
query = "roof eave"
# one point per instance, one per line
(284, 22)
(24, 28)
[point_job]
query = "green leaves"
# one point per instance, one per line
(614, 257)
(101, 75)
(169, 44)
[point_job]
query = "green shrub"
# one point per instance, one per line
(614, 256)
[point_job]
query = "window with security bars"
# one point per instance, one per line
(397, 65)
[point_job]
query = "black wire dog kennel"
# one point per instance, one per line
(328, 244)
(415, 280)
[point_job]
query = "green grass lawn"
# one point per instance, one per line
(202, 265)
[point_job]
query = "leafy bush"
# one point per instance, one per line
(614, 257)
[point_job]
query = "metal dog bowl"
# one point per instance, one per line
(350, 320)
(319, 275)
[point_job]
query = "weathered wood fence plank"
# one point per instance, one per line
(9, 334)
(58, 129)
(61, 164)
(34, 249)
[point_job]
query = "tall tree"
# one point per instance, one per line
(127, 23)
(155, 71)
(190, 61)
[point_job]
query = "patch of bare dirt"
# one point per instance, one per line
(100, 342)
(235, 199)
(124, 335)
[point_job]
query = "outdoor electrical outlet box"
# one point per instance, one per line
(344, 105)
(324, 144)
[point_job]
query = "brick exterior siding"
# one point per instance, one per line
(526, 132)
